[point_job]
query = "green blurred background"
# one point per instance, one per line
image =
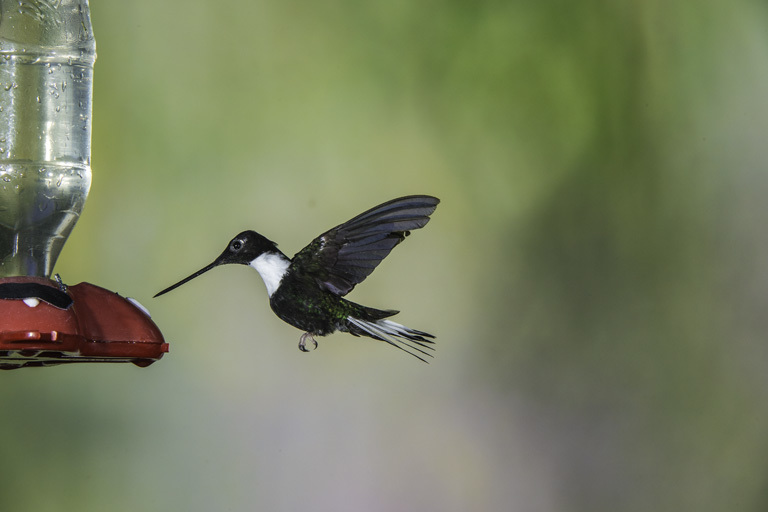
(596, 273)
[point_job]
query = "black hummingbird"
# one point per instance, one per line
(306, 291)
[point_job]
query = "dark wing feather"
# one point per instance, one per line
(345, 255)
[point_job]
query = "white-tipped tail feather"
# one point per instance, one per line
(400, 336)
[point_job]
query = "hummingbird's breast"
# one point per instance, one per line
(304, 305)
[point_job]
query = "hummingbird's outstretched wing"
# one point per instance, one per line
(345, 255)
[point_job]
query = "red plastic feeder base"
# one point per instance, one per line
(45, 324)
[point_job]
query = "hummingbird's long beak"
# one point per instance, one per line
(201, 271)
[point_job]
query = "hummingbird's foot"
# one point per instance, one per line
(303, 342)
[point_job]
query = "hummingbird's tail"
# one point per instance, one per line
(379, 328)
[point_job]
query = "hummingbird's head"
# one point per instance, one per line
(243, 249)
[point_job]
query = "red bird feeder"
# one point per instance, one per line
(46, 71)
(44, 323)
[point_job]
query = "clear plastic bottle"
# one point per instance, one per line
(47, 51)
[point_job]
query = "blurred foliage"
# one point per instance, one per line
(596, 273)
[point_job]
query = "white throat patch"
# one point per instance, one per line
(271, 267)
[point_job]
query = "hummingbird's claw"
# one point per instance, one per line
(303, 342)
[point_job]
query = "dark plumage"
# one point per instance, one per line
(306, 291)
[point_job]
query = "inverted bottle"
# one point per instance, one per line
(46, 85)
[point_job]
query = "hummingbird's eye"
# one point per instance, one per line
(236, 245)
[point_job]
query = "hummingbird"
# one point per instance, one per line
(307, 291)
